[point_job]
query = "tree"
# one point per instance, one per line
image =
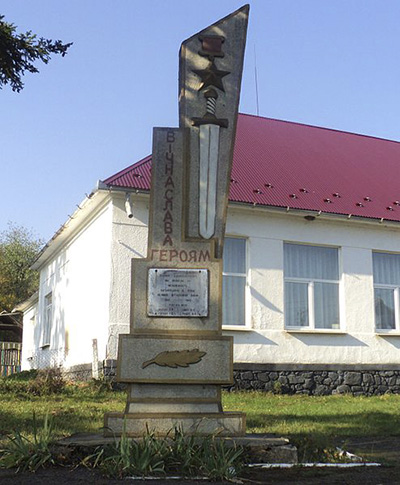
(18, 250)
(18, 52)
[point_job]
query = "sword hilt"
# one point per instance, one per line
(211, 101)
(209, 117)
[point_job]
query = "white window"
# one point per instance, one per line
(47, 319)
(234, 282)
(311, 287)
(386, 288)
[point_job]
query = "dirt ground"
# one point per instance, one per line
(298, 476)
(381, 449)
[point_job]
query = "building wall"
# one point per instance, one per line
(129, 240)
(79, 279)
(90, 280)
(29, 324)
(264, 339)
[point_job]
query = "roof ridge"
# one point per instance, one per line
(322, 128)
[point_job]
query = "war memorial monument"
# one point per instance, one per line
(175, 358)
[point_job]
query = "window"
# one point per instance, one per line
(311, 287)
(47, 320)
(234, 282)
(386, 270)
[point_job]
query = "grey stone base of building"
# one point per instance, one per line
(84, 372)
(319, 380)
(311, 379)
(204, 424)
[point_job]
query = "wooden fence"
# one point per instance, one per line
(10, 358)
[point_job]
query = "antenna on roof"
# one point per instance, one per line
(256, 79)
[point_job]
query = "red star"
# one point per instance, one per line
(211, 77)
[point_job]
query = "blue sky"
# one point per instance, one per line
(91, 113)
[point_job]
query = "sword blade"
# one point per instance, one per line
(209, 150)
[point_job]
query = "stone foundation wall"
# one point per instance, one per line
(107, 369)
(318, 380)
(311, 379)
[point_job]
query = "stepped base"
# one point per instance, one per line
(260, 448)
(137, 424)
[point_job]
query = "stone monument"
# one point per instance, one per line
(175, 358)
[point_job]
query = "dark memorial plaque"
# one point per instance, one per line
(177, 292)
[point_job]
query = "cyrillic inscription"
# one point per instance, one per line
(177, 292)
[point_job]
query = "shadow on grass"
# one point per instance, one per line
(316, 437)
(362, 424)
(65, 423)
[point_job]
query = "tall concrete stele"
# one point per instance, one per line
(175, 358)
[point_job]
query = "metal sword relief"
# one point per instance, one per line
(176, 358)
(209, 128)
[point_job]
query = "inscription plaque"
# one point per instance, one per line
(177, 292)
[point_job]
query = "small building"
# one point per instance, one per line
(10, 342)
(311, 285)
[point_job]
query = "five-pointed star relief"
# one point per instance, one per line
(211, 76)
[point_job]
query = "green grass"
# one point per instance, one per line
(317, 424)
(78, 408)
(339, 415)
(81, 407)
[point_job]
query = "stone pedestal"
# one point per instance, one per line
(201, 424)
(175, 358)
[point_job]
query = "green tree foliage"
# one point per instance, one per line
(18, 249)
(18, 52)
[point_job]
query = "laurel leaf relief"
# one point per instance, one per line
(176, 358)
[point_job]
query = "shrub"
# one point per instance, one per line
(29, 454)
(37, 382)
(100, 385)
(23, 376)
(47, 381)
(187, 456)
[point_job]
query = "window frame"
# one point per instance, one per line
(311, 328)
(245, 324)
(47, 320)
(396, 298)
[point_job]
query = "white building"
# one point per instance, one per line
(311, 264)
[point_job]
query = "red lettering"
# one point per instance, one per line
(168, 205)
(169, 169)
(168, 240)
(204, 256)
(170, 182)
(167, 228)
(168, 216)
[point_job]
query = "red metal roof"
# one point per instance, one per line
(284, 164)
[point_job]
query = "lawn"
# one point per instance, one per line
(81, 407)
(337, 416)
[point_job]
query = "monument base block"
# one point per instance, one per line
(137, 424)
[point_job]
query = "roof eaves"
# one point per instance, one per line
(313, 212)
(70, 227)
